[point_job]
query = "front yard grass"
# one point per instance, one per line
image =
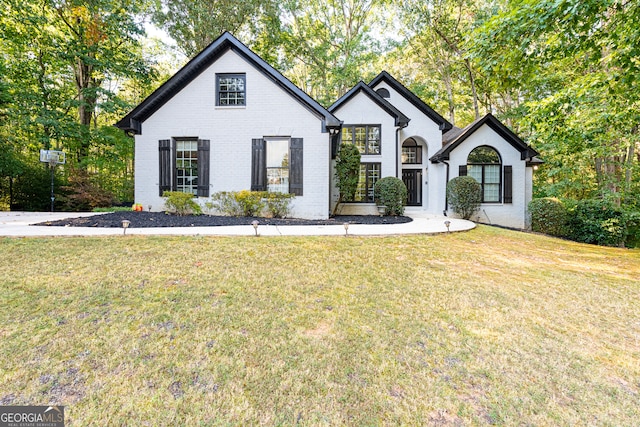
(485, 327)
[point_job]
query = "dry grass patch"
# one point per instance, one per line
(489, 326)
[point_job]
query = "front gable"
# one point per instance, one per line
(363, 90)
(455, 137)
(385, 81)
(132, 122)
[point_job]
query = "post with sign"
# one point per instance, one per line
(54, 158)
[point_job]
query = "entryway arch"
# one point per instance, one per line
(414, 161)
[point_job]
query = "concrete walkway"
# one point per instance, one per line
(17, 224)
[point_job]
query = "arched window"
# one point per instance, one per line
(484, 164)
(411, 152)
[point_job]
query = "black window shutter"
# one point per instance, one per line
(203, 167)
(508, 184)
(165, 177)
(295, 167)
(462, 170)
(258, 165)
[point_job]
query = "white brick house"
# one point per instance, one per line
(228, 121)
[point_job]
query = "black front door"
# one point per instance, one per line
(412, 179)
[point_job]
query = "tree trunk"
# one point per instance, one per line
(86, 85)
(472, 82)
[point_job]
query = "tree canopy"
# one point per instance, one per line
(563, 74)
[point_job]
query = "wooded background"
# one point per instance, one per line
(563, 74)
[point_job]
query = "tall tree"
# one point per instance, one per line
(329, 44)
(101, 42)
(577, 63)
(436, 30)
(194, 24)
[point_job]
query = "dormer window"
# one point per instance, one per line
(231, 90)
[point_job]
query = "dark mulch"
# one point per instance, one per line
(161, 219)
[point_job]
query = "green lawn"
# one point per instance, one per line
(485, 327)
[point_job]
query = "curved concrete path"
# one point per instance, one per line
(17, 224)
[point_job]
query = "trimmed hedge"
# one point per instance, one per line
(591, 221)
(548, 216)
(464, 195)
(392, 193)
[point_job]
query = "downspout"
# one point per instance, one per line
(446, 199)
(398, 129)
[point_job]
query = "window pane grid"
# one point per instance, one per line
(484, 165)
(369, 174)
(366, 138)
(231, 90)
(187, 166)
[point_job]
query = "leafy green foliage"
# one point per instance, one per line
(347, 171)
(181, 203)
(464, 195)
(596, 221)
(250, 202)
(549, 216)
(632, 220)
(32, 188)
(194, 24)
(392, 193)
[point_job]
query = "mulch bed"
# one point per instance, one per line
(162, 219)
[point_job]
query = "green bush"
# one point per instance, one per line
(392, 193)
(597, 222)
(464, 195)
(250, 202)
(278, 204)
(548, 216)
(32, 189)
(181, 203)
(225, 203)
(347, 171)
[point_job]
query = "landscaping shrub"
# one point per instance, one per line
(278, 204)
(464, 195)
(82, 193)
(32, 189)
(181, 203)
(548, 216)
(225, 203)
(250, 202)
(392, 193)
(598, 222)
